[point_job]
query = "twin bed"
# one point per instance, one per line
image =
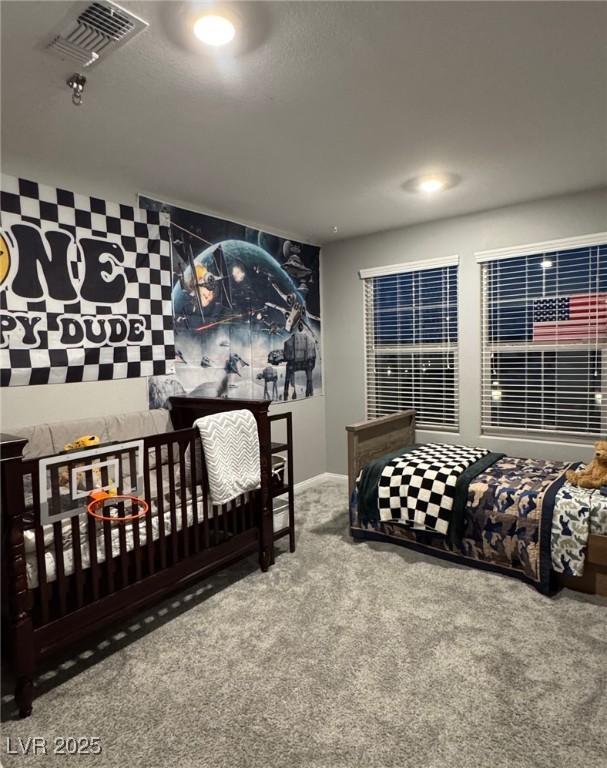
(514, 516)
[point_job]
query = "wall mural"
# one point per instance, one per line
(85, 288)
(246, 308)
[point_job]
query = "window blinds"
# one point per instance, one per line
(544, 340)
(411, 343)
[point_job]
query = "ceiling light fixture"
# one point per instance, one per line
(546, 264)
(431, 184)
(214, 30)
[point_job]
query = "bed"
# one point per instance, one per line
(515, 516)
(66, 578)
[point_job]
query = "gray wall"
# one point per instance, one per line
(566, 216)
(24, 406)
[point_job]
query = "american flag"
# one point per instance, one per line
(570, 318)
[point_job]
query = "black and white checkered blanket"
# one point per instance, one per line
(418, 488)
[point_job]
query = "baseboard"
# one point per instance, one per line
(312, 481)
(335, 476)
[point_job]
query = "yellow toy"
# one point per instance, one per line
(594, 475)
(86, 441)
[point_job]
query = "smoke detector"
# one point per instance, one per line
(93, 30)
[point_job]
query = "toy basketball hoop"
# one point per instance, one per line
(102, 508)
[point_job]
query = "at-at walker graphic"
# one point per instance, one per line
(299, 353)
(269, 376)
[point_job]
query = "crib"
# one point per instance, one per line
(64, 580)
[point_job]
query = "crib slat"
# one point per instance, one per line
(194, 489)
(205, 505)
(240, 511)
(124, 557)
(172, 505)
(234, 516)
(121, 529)
(77, 555)
(216, 511)
(149, 539)
(58, 541)
(160, 502)
(76, 548)
(107, 534)
(185, 530)
(109, 559)
(135, 523)
(40, 550)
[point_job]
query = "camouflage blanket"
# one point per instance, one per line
(509, 517)
(577, 513)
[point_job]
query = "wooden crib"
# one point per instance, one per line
(111, 571)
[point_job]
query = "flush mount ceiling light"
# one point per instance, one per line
(214, 30)
(431, 184)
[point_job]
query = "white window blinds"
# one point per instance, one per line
(411, 342)
(544, 335)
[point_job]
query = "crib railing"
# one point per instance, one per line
(91, 560)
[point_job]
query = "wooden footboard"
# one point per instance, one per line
(368, 440)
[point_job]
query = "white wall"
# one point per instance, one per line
(548, 219)
(24, 406)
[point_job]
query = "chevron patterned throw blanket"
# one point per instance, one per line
(231, 449)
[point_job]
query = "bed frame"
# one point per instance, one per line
(368, 440)
(40, 621)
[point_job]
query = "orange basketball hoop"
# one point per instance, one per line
(96, 507)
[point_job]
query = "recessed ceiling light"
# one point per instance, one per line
(431, 184)
(214, 30)
(546, 264)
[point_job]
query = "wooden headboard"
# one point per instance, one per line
(368, 440)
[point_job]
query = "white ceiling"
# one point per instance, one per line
(329, 108)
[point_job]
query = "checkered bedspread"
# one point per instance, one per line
(418, 488)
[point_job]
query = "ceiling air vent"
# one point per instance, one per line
(93, 31)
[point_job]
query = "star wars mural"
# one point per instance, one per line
(246, 308)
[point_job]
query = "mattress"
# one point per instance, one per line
(31, 563)
(280, 521)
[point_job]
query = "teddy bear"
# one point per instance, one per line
(594, 475)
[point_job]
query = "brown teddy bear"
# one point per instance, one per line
(594, 475)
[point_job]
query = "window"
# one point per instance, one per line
(544, 338)
(411, 342)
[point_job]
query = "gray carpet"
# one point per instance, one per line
(342, 655)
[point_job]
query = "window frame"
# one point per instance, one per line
(421, 348)
(488, 349)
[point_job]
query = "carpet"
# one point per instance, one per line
(342, 655)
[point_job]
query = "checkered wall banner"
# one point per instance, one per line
(85, 288)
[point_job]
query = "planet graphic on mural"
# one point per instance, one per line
(235, 280)
(234, 307)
